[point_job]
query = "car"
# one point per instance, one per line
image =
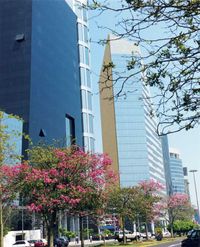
(128, 235)
(144, 235)
(21, 243)
(32, 242)
(40, 243)
(192, 240)
(61, 242)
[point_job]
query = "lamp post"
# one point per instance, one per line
(195, 187)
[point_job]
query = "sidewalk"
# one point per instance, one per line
(93, 243)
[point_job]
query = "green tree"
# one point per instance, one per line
(183, 226)
(125, 201)
(168, 34)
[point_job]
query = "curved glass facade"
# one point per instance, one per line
(84, 63)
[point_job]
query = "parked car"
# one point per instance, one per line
(144, 235)
(193, 239)
(40, 243)
(32, 242)
(61, 242)
(21, 243)
(128, 234)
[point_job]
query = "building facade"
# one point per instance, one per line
(129, 134)
(79, 8)
(39, 72)
(176, 171)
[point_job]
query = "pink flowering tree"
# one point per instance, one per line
(176, 205)
(150, 197)
(9, 186)
(64, 179)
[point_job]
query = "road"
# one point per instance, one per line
(174, 244)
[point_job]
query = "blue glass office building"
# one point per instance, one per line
(176, 171)
(129, 134)
(39, 68)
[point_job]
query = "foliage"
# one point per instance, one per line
(183, 226)
(65, 233)
(177, 207)
(64, 179)
(167, 33)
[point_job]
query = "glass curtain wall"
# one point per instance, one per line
(80, 9)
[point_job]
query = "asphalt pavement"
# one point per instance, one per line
(176, 243)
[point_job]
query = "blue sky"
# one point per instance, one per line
(187, 142)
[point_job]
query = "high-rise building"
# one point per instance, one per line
(39, 69)
(166, 160)
(79, 8)
(176, 171)
(128, 131)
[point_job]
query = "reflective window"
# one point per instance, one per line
(88, 78)
(84, 100)
(83, 81)
(80, 32)
(86, 143)
(70, 130)
(89, 101)
(86, 56)
(81, 53)
(84, 14)
(85, 34)
(85, 122)
(92, 146)
(91, 129)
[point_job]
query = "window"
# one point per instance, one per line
(80, 32)
(86, 56)
(84, 100)
(91, 128)
(85, 34)
(83, 82)
(88, 78)
(70, 130)
(84, 13)
(81, 53)
(89, 101)
(85, 122)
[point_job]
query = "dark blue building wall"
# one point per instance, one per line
(55, 82)
(15, 19)
(39, 76)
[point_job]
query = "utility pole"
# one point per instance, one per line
(195, 187)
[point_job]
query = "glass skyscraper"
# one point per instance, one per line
(79, 7)
(176, 170)
(39, 69)
(129, 134)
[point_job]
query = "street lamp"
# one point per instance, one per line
(195, 187)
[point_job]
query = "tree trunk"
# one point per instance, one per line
(1, 224)
(81, 230)
(171, 229)
(50, 229)
(146, 230)
(50, 236)
(123, 228)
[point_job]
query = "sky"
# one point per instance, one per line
(187, 142)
